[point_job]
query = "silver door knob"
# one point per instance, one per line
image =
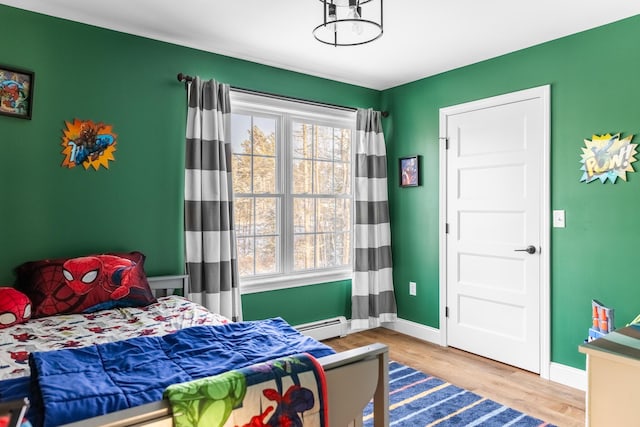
(529, 249)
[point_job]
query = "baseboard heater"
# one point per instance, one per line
(325, 329)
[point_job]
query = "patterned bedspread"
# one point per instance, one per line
(288, 391)
(166, 316)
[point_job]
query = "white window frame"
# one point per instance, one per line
(288, 111)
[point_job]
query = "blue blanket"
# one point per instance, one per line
(74, 384)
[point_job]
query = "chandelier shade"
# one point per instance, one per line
(349, 22)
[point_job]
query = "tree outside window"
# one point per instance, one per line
(301, 223)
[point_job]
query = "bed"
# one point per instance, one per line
(353, 378)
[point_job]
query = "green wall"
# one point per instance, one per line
(129, 82)
(595, 89)
(329, 300)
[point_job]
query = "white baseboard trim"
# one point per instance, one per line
(567, 375)
(559, 373)
(415, 330)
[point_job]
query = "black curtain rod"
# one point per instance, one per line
(185, 78)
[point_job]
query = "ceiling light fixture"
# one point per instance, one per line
(345, 22)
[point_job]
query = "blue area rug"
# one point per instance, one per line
(418, 399)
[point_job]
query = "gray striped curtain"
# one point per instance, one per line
(373, 300)
(210, 241)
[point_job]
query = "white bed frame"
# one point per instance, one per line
(163, 285)
(354, 378)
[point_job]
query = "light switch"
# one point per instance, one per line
(558, 219)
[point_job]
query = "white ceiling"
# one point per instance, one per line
(421, 38)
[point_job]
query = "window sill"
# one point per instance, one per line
(273, 283)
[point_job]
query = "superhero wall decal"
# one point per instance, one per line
(607, 157)
(88, 144)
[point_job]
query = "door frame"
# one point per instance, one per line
(544, 93)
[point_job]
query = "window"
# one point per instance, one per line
(292, 184)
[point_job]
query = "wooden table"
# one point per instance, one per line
(613, 379)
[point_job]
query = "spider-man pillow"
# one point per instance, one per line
(85, 284)
(15, 307)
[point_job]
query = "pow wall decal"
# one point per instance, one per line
(607, 157)
(88, 144)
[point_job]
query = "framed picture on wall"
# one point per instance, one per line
(409, 171)
(16, 92)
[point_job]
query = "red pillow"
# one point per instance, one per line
(15, 307)
(85, 284)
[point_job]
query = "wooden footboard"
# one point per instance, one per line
(354, 377)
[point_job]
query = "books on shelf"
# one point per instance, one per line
(602, 320)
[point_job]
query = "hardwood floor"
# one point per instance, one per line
(522, 390)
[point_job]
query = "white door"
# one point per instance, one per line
(494, 193)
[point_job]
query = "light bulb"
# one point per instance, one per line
(354, 13)
(333, 17)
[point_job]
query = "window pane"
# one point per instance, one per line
(266, 255)
(243, 216)
(342, 145)
(342, 178)
(326, 215)
(264, 174)
(303, 252)
(343, 215)
(343, 249)
(323, 174)
(241, 133)
(302, 140)
(245, 256)
(324, 143)
(264, 136)
(325, 251)
(304, 215)
(266, 216)
(302, 176)
(317, 203)
(241, 174)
